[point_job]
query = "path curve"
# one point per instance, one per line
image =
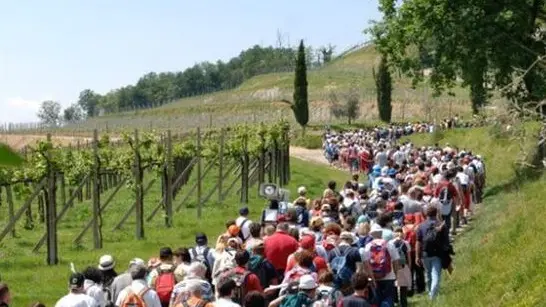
(311, 155)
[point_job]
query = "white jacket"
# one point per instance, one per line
(95, 291)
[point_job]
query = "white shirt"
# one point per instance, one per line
(77, 300)
(95, 291)
(223, 302)
(245, 229)
(393, 252)
(463, 178)
(150, 297)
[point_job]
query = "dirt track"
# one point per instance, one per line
(19, 141)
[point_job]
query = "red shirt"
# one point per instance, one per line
(450, 187)
(252, 281)
(319, 262)
(278, 247)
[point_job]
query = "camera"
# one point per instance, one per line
(271, 191)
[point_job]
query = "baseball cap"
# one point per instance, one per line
(76, 280)
(307, 242)
(243, 211)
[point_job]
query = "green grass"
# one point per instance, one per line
(500, 261)
(23, 270)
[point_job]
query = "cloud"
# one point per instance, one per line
(19, 110)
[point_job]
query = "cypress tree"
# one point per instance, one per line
(383, 85)
(300, 105)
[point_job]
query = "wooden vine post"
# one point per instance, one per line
(199, 166)
(261, 161)
(97, 216)
(139, 192)
(169, 165)
(244, 171)
(221, 165)
(51, 211)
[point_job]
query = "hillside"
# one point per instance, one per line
(256, 100)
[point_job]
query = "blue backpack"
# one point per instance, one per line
(342, 273)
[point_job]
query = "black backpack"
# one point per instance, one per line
(431, 241)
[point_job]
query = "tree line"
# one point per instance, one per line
(155, 89)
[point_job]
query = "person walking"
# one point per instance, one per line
(138, 290)
(5, 295)
(77, 296)
(124, 280)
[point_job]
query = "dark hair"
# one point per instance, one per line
(255, 230)
(304, 258)
(294, 233)
(3, 290)
(93, 274)
(432, 211)
(326, 277)
(332, 185)
(398, 206)
(183, 253)
(360, 281)
(254, 299)
(230, 223)
(384, 219)
(225, 287)
(242, 257)
(332, 228)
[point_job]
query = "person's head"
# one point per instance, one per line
(304, 258)
(302, 191)
(138, 272)
(316, 204)
(258, 249)
(182, 255)
(294, 233)
(359, 281)
(308, 285)
(194, 288)
(230, 223)
(255, 230)
(242, 257)
(106, 263)
(283, 227)
(292, 215)
(307, 242)
(269, 230)
(197, 269)
(399, 206)
(332, 185)
(166, 254)
(326, 278)
(234, 243)
(432, 212)
(384, 220)
(201, 239)
(244, 211)
(332, 229)
(225, 287)
(254, 299)
(5, 296)
(316, 224)
(399, 232)
(93, 274)
(75, 283)
(355, 177)
(233, 230)
(363, 229)
(376, 231)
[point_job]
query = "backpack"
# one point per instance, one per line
(164, 285)
(328, 298)
(402, 251)
(134, 299)
(296, 273)
(203, 258)
(296, 300)
(380, 259)
(431, 241)
(240, 280)
(201, 303)
(342, 273)
(260, 271)
(240, 235)
(108, 296)
(227, 262)
(446, 199)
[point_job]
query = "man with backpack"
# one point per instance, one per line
(196, 275)
(432, 243)
(361, 296)
(345, 260)
(446, 193)
(305, 296)
(245, 280)
(382, 261)
(203, 254)
(243, 222)
(138, 294)
(162, 279)
(195, 296)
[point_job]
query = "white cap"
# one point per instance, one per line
(137, 261)
(307, 282)
(302, 190)
(376, 228)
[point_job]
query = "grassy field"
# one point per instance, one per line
(500, 261)
(257, 100)
(23, 270)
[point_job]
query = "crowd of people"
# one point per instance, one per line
(375, 241)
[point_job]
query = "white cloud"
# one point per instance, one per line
(19, 110)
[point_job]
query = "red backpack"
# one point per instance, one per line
(380, 260)
(164, 285)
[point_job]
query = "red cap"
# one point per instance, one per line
(307, 242)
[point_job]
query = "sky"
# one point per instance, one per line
(51, 50)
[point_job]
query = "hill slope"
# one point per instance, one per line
(257, 99)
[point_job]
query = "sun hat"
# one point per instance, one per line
(307, 282)
(136, 261)
(376, 228)
(106, 263)
(349, 237)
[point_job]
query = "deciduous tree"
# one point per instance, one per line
(50, 113)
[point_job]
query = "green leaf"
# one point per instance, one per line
(8, 157)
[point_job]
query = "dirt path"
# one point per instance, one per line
(312, 155)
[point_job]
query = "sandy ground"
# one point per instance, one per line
(19, 141)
